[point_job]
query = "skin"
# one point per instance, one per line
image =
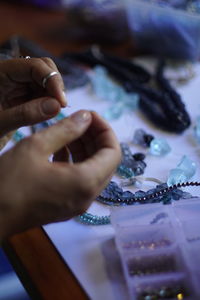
(35, 190)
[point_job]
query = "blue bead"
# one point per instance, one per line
(127, 195)
(125, 172)
(139, 137)
(184, 171)
(18, 136)
(176, 176)
(159, 147)
(176, 194)
(188, 166)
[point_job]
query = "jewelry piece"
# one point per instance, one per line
(162, 106)
(162, 193)
(25, 57)
(46, 78)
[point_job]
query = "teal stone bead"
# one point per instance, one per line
(176, 176)
(125, 172)
(131, 101)
(184, 171)
(18, 136)
(159, 147)
(188, 166)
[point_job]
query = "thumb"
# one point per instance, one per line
(29, 113)
(52, 139)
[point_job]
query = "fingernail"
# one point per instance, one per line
(64, 100)
(50, 106)
(81, 116)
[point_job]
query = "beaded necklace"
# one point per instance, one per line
(162, 106)
(162, 193)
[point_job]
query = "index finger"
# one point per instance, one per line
(35, 70)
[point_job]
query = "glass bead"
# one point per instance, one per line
(114, 112)
(188, 166)
(184, 171)
(139, 156)
(176, 176)
(138, 137)
(148, 138)
(159, 147)
(125, 172)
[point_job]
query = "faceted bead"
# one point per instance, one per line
(131, 101)
(18, 136)
(138, 137)
(166, 199)
(127, 195)
(176, 194)
(176, 176)
(184, 171)
(161, 186)
(148, 138)
(159, 147)
(139, 156)
(125, 172)
(188, 166)
(138, 167)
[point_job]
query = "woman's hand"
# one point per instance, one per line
(23, 99)
(35, 191)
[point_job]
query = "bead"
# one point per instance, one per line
(188, 166)
(159, 147)
(148, 138)
(138, 138)
(183, 172)
(107, 89)
(18, 136)
(139, 156)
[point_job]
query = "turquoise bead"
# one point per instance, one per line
(176, 176)
(18, 136)
(188, 166)
(159, 147)
(183, 172)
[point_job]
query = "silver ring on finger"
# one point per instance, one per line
(46, 78)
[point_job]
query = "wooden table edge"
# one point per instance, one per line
(40, 267)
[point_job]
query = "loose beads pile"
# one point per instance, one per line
(164, 292)
(131, 164)
(160, 263)
(147, 245)
(157, 146)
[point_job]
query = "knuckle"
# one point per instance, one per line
(49, 62)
